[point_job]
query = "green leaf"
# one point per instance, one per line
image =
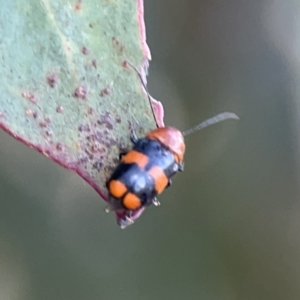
(65, 88)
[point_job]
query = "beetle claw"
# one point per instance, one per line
(123, 223)
(180, 167)
(155, 202)
(133, 137)
(121, 154)
(108, 209)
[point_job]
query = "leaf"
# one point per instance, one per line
(66, 90)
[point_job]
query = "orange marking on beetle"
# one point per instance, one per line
(134, 157)
(132, 202)
(159, 177)
(117, 188)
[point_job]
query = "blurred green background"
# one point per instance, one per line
(229, 228)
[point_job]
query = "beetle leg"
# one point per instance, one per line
(108, 209)
(155, 202)
(133, 137)
(123, 223)
(126, 221)
(180, 167)
(121, 154)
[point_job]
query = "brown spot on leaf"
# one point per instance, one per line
(49, 132)
(85, 127)
(48, 120)
(90, 155)
(106, 91)
(85, 50)
(118, 119)
(94, 148)
(113, 141)
(106, 120)
(59, 147)
(52, 80)
(29, 96)
(97, 165)
(118, 44)
(80, 92)
(94, 63)
(115, 41)
(83, 160)
(78, 5)
(28, 112)
(59, 109)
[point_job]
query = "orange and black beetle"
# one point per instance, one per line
(146, 170)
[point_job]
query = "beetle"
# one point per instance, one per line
(146, 170)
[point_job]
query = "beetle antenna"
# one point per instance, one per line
(145, 87)
(211, 121)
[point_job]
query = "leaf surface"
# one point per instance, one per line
(66, 90)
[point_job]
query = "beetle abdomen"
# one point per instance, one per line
(143, 173)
